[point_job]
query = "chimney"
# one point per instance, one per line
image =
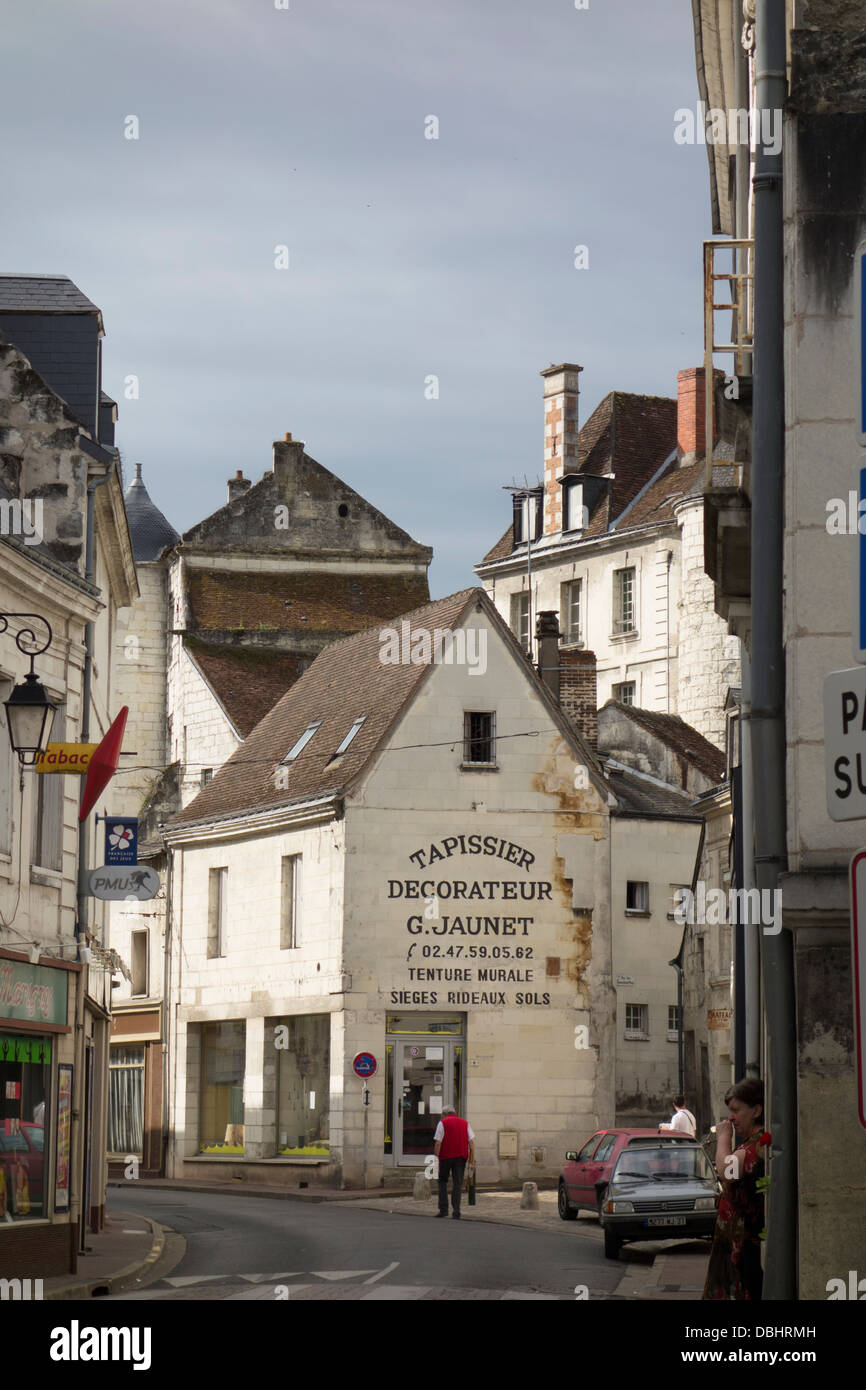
(288, 453)
(560, 437)
(547, 632)
(238, 485)
(691, 419)
(578, 693)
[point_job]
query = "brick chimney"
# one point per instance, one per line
(560, 437)
(547, 633)
(578, 692)
(691, 422)
(238, 485)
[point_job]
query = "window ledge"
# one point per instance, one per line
(625, 636)
(673, 1035)
(638, 912)
(634, 1035)
(479, 767)
(48, 878)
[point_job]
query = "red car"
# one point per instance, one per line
(586, 1174)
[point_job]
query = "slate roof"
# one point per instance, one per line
(247, 681)
(638, 797)
(347, 680)
(670, 729)
(629, 435)
(149, 530)
(298, 600)
(43, 294)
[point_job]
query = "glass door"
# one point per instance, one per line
(424, 1085)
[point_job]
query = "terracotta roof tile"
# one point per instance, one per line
(247, 681)
(298, 601)
(680, 736)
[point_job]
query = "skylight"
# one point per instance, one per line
(302, 741)
(349, 736)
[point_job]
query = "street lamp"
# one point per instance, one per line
(29, 710)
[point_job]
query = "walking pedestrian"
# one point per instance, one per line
(682, 1120)
(453, 1145)
(734, 1271)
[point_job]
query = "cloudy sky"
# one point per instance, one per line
(408, 257)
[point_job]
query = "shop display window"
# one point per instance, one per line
(223, 1057)
(303, 1085)
(126, 1100)
(25, 1073)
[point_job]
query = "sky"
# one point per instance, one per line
(409, 258)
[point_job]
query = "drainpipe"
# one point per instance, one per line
(751, 951)
(768, 657)
(82, 895)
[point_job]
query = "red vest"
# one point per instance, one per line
(456, 1141)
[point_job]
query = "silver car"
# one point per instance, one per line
(659, 1190)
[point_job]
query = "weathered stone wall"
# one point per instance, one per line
(709, 660)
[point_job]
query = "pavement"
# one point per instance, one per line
(124, 1255)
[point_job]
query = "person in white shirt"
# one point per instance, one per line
(682, 1120)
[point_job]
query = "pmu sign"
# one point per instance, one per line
(858, 961)
(845, 743)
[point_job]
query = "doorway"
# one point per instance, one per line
(426, 1076)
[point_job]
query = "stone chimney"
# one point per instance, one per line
(560, 437)
(547, 633)
(288, 453)
(578, 692)
(238, 485)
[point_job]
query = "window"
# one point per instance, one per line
(206, 775)
(575, 518)
(289, 900)
(223, 1059)
(48, 808)
(302, 741)
(637, 897)
(528, 516)
(303, 1084)
(679, 902)
(586, 1151)
(479, 737)
(605, 1149)
(571, 599)
(624, 601)
(625, 692)
(673, 1022)
(25, 1072)
(520, 618)
(126, 1098)
(636, 1021)
(139, 962)
(8, 761)
(349, 736)
(217, 912)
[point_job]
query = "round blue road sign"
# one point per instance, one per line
(365, 1064)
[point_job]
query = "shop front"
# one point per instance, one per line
(424, 1057)
(36, 1102)
(135, 1093)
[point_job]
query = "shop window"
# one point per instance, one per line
(25, 1069)
(223, 1057)
(139, 962)
(304, 1085)
(48, 808)
(126, 1098)
(217, 910)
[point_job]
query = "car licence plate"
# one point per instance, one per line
(666, 1221)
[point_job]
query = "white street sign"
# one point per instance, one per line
(115, 885)
(845, 743)
(858, 970)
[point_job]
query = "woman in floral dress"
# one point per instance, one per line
(734, 1270)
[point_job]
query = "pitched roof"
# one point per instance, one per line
(345, 682)
(43, 294)
(628, 435)
(673, 731)
(637, 796)
(657, 504)
(247, 681)
(149, 530)
(298, 600)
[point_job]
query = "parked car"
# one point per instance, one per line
(658, 1191)
(585, 1176)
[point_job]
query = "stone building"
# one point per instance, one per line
(412, 863)
(230, 615)
(612, 540)
(71, 566)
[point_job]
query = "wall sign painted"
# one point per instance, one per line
(33, 992)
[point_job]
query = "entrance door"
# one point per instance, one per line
(423, 1086)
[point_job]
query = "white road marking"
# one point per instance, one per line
(382, 1272)
(340, 1273)
(179, 1281)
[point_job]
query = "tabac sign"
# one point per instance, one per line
(66, 757)
(34, 993)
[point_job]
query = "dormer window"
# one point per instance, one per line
(302, 742)
(575, 516)
(528, 515)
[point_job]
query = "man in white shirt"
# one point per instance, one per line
(682, 1120)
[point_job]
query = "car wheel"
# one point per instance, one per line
(566, 1210)
(601, 1194)
(612, 1245)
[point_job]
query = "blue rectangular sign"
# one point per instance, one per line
(121, 839)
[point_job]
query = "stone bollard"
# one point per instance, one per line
(421, 1188)
(529, 1197)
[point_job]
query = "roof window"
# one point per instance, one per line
(349, 736)
(302, 741)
